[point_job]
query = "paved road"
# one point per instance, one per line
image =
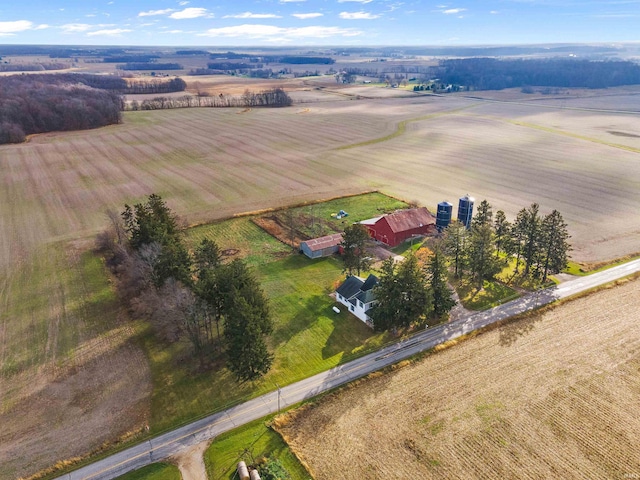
(170, 443)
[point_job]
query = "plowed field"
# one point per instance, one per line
(553, 396)
(212, 163)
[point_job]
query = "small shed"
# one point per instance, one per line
(321, 246)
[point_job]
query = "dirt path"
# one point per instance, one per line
(191, 462)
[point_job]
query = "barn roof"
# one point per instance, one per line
(321, 243)
(404, 220)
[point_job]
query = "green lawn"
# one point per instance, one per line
(492, 293)
(155, 471)
(308, 336)
(249, 443)
(241, 234)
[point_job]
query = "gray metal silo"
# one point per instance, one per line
(443, 216)
(465, 210)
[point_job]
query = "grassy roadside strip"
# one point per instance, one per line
(155, 471)
(582, 270)
(402, 127)
(249, 443)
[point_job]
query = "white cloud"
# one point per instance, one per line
(114, 32)
(280, 33)
(76, 27)
(357, 1)
(182, 4)
(494, 12)
(42, 26)
(304, 16)
(358, 16)
(150, 13)
(191, 12)
(453, 11)
(292, 1)
(9, 28)
(253, 15)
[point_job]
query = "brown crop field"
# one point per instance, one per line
(212, 163)
(552, 396)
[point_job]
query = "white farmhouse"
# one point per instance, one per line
(357, 295)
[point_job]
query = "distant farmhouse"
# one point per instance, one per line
(395, 228)
(357, 295)
(321, 246)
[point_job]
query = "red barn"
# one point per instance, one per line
(395, 228)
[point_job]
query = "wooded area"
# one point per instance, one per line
(60, 102)
(494, 74)
(45, 103)
(219, 307)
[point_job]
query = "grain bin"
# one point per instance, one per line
(465, 210)
(443, 216)
(243, 472)
(255, 475)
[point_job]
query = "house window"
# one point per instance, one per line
(339, 296)
(351, 307)
(359, 304)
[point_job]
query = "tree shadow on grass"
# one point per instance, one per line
(307, 314)
(346, 330)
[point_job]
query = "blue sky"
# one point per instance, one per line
(317, 22)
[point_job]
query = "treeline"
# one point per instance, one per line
(41, 103)
(538, 243)
(298, 60)
(32, 67)
(130, 58)
(206, 71)
(493, 74)
(191, 52)
(233, 66)
(218, 306)
(276, 97)
(153, 86)
(149, 66)
(288, 59)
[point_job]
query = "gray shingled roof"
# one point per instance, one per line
(350, 287)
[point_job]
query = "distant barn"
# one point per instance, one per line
(321, 246)
(395, 228)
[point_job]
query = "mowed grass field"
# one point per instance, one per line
(212, 163)
(551, 396)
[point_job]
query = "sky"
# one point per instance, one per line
(317, 22)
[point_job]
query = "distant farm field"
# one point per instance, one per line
(550, 396)
(212, 163)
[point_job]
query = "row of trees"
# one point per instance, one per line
(149, 66)
(493, 74)
(538, 243)
(219, 307)
(411, 292)
(276, 97)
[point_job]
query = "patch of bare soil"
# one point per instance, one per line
(274, 226)
(191, 462)
(76, 411)
(555, 395)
